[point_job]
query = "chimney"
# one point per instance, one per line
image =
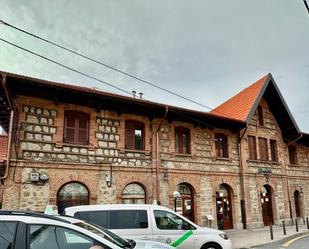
(133, 93)
(140, 95)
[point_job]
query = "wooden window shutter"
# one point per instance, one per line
(69, 127)
(260, 115)
(252, 147)
(130, 135)
(221, 145)
(182, 140)
(83, 128)
(293, 155)
(274, 150)
(263, 149)
(76, 128)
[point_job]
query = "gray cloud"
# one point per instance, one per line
(207, 50)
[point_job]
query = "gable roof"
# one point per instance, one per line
(3, 147)
(242, 106)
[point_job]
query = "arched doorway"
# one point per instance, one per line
(267, 206)
(185, 204)
(72, 194)
(133, 193)
(297, 202)
(224, 207)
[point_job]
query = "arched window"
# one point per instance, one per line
(185, 204)
(72, 194)
(133, 193)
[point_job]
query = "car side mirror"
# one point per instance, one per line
(185, 226)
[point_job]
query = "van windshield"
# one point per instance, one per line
(106, 234)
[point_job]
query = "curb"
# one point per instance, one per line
(283, 240)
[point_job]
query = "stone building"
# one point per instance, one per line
(245, 163)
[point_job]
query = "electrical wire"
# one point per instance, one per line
(306, 5)
(105, 65)
(67, 67)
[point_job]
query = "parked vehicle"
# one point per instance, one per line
(29, 230)
(151, 222)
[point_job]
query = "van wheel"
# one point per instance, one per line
(211, 246)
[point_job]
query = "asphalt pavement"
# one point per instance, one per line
(301, 242)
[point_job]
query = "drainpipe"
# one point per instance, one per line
(242, 183)
(8, 156)
(158, 156)
(287, 180)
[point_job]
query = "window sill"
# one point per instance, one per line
(227, 159)
(146, 152)
(183, 155)
(263, 162)
(60, 145)
(293, 165)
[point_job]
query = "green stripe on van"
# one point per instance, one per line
(182, 238)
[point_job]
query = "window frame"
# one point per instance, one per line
(77, 117)
(179, 132)
(130, 127)
(254, 148)
(222, 149)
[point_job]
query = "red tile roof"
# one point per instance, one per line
(239, 106)
(3, 147)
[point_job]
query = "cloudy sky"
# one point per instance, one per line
(207, 50)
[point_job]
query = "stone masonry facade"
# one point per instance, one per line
(40, 148)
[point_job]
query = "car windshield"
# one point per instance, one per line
(106, 234)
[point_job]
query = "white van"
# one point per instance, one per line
(151, 222)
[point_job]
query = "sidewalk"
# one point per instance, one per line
(251, 238)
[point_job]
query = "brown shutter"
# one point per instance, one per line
(252, 147)
(83, 128)
(130, 135)
(263, 149)
(70, 127)
(260, 115)
(293, 155)
(274, 150)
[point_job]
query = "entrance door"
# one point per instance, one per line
(185, 204)
(267, 209)
(297, 203)
(224, 208)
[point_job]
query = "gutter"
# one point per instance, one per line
(158, 156)
(287, 180)
(242, 182)
(8, 155)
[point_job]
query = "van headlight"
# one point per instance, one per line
(223, 236)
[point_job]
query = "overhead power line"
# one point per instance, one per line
(306, 5)
(91, 77)
(105, 65)
(67, 67)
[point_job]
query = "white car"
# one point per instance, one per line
(151, 222)
(29, 230)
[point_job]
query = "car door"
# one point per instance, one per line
(171, 229)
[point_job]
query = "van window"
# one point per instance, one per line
(96, 217)
(169, 221)
(128, 219)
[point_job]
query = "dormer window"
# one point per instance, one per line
(260, 115)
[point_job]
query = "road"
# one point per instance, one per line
(301, 242)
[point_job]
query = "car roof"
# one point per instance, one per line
(72, 210)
